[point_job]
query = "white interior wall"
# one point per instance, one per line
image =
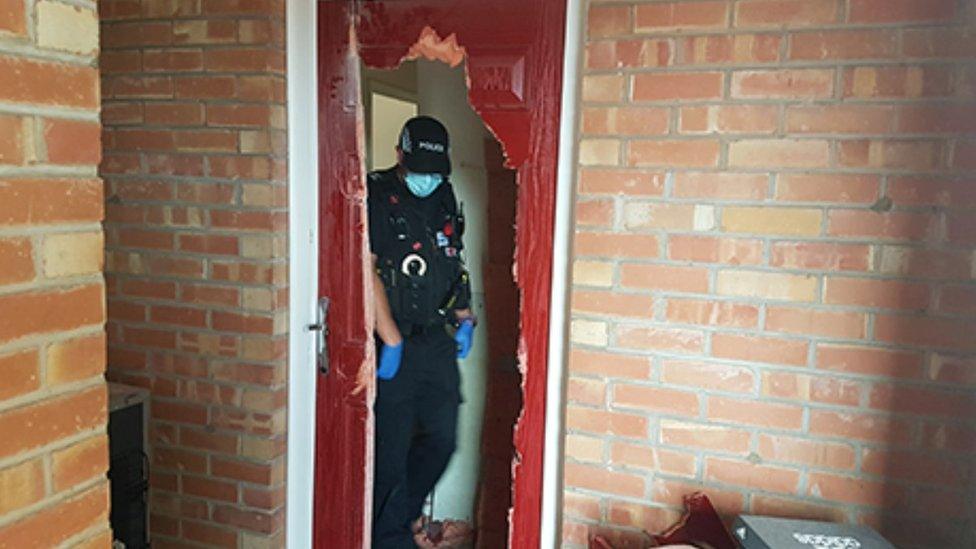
(443, 94)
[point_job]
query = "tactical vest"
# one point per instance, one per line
(419, 260)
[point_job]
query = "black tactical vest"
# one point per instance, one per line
(418, 246)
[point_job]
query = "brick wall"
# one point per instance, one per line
(193, 108)
(53, 406)
(774, 295)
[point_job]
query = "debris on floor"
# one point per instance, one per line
(443, 534)
(700, 527)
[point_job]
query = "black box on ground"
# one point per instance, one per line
(755, 532)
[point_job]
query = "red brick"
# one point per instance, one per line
(656, 399)
(792, 13)
(848, 189)
(119, 62)
(845, 325)
(890, 225)
(137, 34)
(922, 401)
(840, 119)
(49, 311)
(172, 60)
(910, 81)
(712, 313)
(672, 493)
(844, 44)
(609, 423)
(700, 153)
(256, 521)
(612, 303)
(813, 453)
(54, 84)
(854, 490)
(149, 240)
(760, 349)
(625, 121)
(608, 20)
(75, 359)
(173, 114)
(804, 388)
(241, 167)
(586, 391)
(209, 488)
(180, 460)
(21, 371)
(666, 339)
(664, 278)
(674, 86)
(936, 119)
(719, 186)
(740, 48)
(210, 31)
(17, 260)
(242, 60)
(51, 526)
(45, 422)
(180, 316)
(615, 245)
(255, 473)
(759, 414)
(925, 331)
(784, 83)
(41, 201)
(784, 153)
(902, 155)
(204, 87)
(705, 436)
(645, 518)
(629, 182)
(598, 479)
(209, 244)
(12, 140)
(721, 377)
(859, 426)
(212, 295)
(653, 459)
(896, 11)
(139, 87)
(614, 54)
(680, 16)
(921, 467)
(892, 294)
(708, 249)
(746, 474)
(13, 18)
(942, 42)
(606, 364)
(254, 116)
(959, 300)
(820, 256)
(789, 508)
(926, 263)
(209, 534)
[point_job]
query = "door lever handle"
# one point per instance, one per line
(321, 328)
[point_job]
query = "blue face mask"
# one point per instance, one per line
(423, 184)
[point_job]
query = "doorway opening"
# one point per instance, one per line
(477, 486)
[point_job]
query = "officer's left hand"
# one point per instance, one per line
(464, 337)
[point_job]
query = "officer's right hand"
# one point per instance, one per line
(390, 357)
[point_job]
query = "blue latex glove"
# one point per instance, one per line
(464, 337)
(390, 356)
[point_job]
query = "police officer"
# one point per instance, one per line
(420, 287)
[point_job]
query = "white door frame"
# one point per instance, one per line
(303, 213)
(303, 266)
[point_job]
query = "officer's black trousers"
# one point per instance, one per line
(416, 422)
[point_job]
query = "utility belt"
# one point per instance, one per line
(423, 292)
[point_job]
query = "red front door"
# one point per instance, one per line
(513, 50)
